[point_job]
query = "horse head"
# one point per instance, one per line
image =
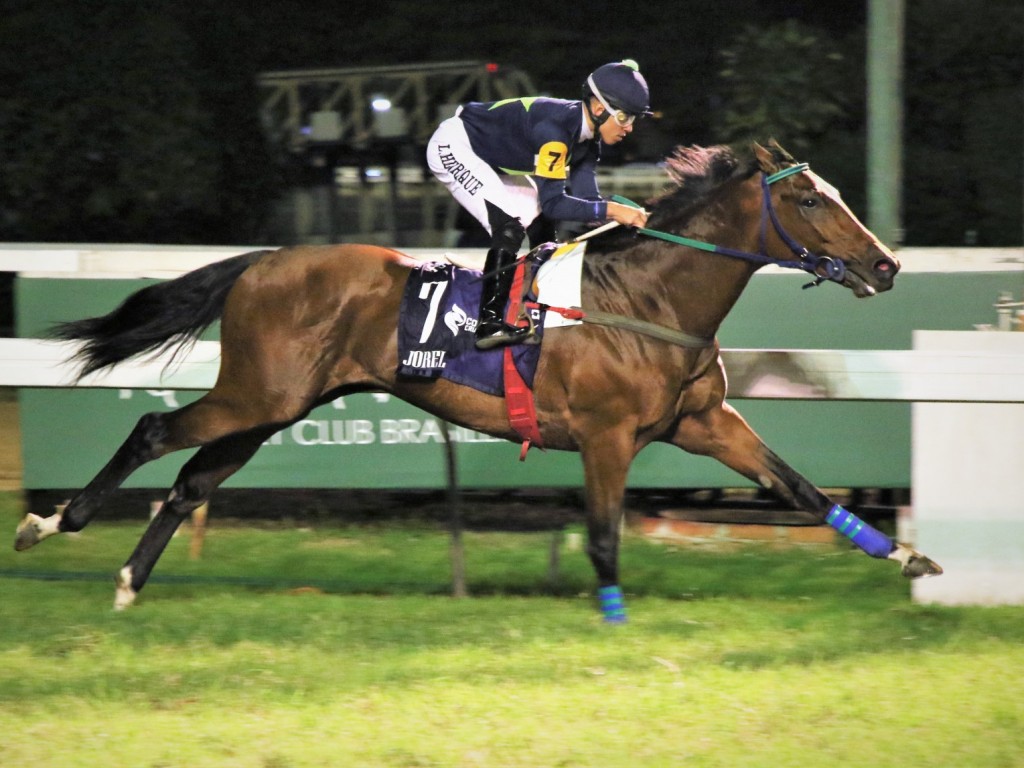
(811, 212)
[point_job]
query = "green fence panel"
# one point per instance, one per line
(371, 441)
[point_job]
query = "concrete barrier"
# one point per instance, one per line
(968, 486)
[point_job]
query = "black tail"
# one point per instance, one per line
(156, 318)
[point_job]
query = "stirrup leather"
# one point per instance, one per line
(506, 334)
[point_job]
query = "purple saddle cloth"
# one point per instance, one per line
(437, 331)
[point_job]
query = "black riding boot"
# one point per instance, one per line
(492, 330)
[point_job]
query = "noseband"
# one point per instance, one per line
(822, 267)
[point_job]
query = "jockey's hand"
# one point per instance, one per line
(625, 214)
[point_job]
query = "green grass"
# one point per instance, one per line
(751, 658)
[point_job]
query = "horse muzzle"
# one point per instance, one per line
(875, 273)
(884, 268)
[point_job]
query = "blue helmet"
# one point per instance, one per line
(621, 85)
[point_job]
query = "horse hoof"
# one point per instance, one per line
(31, 530)
(919, 567)
(914, 564)
(124, 596)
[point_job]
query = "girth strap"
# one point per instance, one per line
(522, 414)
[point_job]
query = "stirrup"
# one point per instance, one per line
(505, 335)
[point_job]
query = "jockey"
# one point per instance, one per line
(507, 162)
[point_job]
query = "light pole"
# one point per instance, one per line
(885, 119)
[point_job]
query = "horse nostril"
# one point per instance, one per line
(886, 268)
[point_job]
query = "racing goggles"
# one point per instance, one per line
(622, 118)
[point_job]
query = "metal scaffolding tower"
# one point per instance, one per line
(358, 106)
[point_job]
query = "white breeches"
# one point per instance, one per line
(472, 181)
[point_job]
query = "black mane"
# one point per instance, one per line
(696, 172)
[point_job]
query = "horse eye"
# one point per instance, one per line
(809, 202)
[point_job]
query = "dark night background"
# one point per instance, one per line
(138, 121)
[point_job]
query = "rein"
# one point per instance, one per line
(822, 267)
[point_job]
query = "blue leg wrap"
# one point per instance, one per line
(871, 540)
(612, 605)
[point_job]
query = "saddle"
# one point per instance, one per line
(437, 333)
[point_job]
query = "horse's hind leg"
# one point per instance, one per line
(210, 418)
(145, 443)
(723, 434)
(210, 467)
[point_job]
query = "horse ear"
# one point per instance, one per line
(779, 152)
(765, 158)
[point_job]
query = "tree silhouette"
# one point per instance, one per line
(112, 128)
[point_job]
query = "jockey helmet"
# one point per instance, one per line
(620, 87)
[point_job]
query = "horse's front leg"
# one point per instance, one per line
(606, 460)
(723, 434)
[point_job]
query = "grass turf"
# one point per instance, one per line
(337, 646)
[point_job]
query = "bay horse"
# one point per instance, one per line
(303, 325)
